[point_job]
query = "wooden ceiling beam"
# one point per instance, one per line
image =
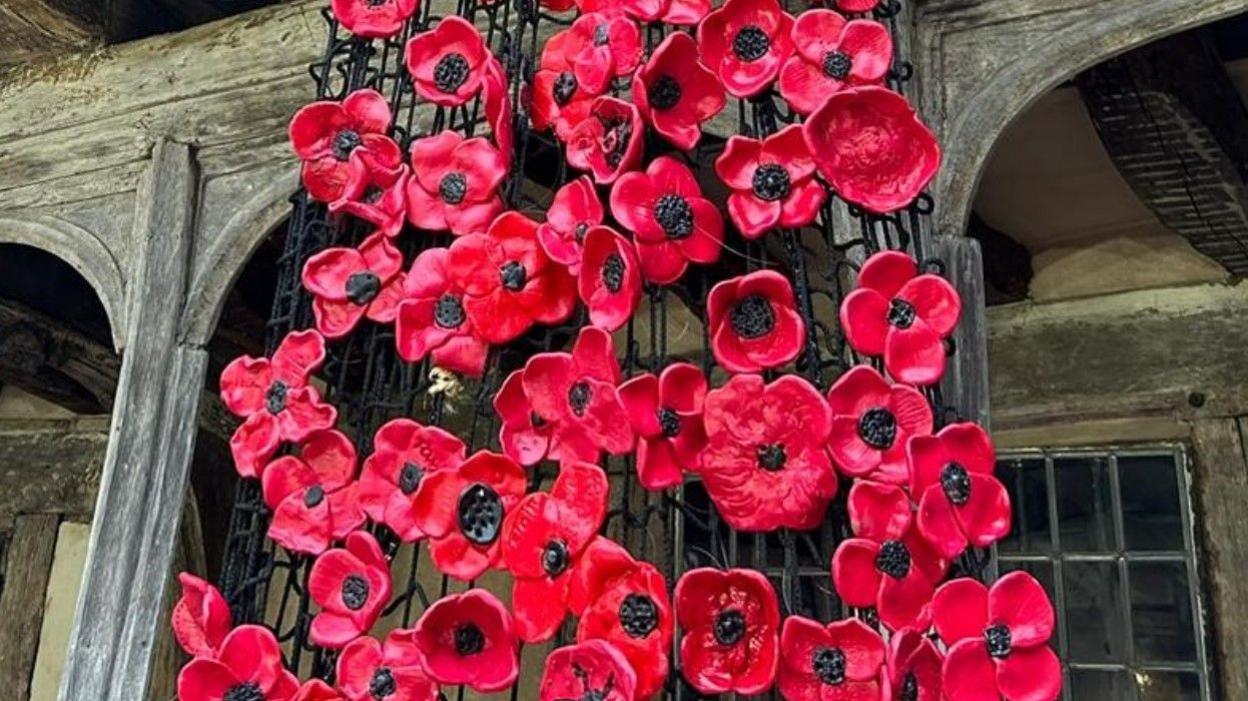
(31, 29)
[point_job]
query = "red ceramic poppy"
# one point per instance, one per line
(871, 147)
(348, 284)
(666, 414)
(543, 538)
(753, 322)
(404, 452)
(524, 436)
(679, 12)
(730, 620)
(998, 640)
(772, 182)
(676, 93)
(608, 142)
(746, 42)
(461, 510)
(431, 320)
(842, 660)
(382, 201)
(339, 143)
(961, 503)
(672, 223)
(468, 639)
(249, 666)
(887, 565)
(448, 63)
(610, 280)
(275, 399)
(765, 466)
(201, 617)
(373, 18)
(913, 669)
(604, 45)
(498, 112)
(313, 494)
(352, 586)
(871, 422)
(454, 183)
(856, 5)
(832, 53)
(574, 211)
(902, 315)
(560, 100)
(509, 283)
(594, 669)
(369, 670)
(318, 690)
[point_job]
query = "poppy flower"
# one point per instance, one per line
(201, 617)
(872, 148)
(341, 142)
(404, 452)
(508, 281)
(730, 620)
(468, 639)
(249, 666)
(772, 182)
(887, 565)
(603, 45)
(352, 586)
(746, 42)
(593, 669)
(575, 209)
(666, 414)
(913, 669)
(753, 322)
(608, 142)
(871, 422)
(764, 465)
(679, 12)
(676, 93)
(998, 640)
(381, 201)
(857, 5)
(461, 510)
(524, 436)
(560, 101)
(840, 660)
(902, 315)
(373, 19)
(348, 284)
(961, 503)
(610, 280)
(313, 495)
(274, 397)
(831, 54)
(369, 670)
(431, 320)
(448, 63)
(673, 224)
(318, 690)
(455, 183)
(498, 113)
(543, 538)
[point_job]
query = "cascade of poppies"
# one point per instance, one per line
(568, 296)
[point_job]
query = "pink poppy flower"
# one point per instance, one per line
(961, 503)
(559, 99)
(431, 320)
(666, 414)
(201, 617)
(341, 142)
(608, 142)
(369, 670)
(610, 279)
(313, 494)
(318, 690)
(454, 183)
(833, 53)
(914, 667)
(349, 284)
(575, 210)
(676, 93)
(594, 669)
(352, 586)
(249, 666)
(871, 422)
(382, 201)
(404, 453)
(746, 42)
(842, 660)
(373, 19)
(603, 45)
(731, 621)
(753, 322)
(772, 182)
(525, 436)
(468, 639)
(448, 63)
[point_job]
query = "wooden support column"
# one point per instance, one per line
(965, 387)
(21, 606)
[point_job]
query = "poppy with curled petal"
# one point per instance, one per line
(902, 315)
(373, 18)
(382, 201)
(608, 142)
(842, 660)
(594, 669)
(575, 209)
(672, 223)
(676, 93)
(524, 436)
(871, 422)
(666, 415)
(731, 621)
(603, 45)
(765, 465)
(341, 142)
(746, 42)
(201, 617)
(369, 670)
(913, 670)
(469, 639)
(404, 452)
(313, 495)
(352, 586)
(275, 399)
(447, 64)
(998, 640)
(887, 565)
(772, 182)
(753, 322)
(871, 147)
(431, 320)
(509, 282)
(831, 54)
(348, 284)
(961, 503)
(610, 280)
(454, 183)
(543, 538)
(318, 690)
(560, 101)
(248, 666)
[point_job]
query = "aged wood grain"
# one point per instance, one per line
(965, 387)
(21, 605)
(50, 467)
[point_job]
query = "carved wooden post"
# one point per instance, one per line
(965, 387)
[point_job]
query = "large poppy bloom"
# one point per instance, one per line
(753, 322)
(348, 284)
(468, 639)
(914, 667)
(832, 53)
(871, 147)
(961, 503)
(560, 100)
(524, 436)
(772, 182)
(676, 93)
(871, 422)
(610, 279)
(369, 670)
(448, 63)
(666, 415)
(352, 586)
(404, 452)
(339, 143)
(431, 320)
(249, 666)
(998, 640)
(576, 209)
(608, 142)
(902, 315)
(201, 617)
(313, 495)
(672, 222)
(746, 42)
(842, 660)
(275, 399)
(593, 669)
(730, 620)
(603, 45)
(382, 201)
(454, 183)
(764, 465)
(373, 18)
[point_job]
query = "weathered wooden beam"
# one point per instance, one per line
(21, 604)
(50, 467)
(33, 29)
(965, 386)
(46, 358)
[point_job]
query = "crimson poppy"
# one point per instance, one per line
(842, 660)
(508, 281)
(575, 209)
(998, 639)
(341, 142)
(313, 495)
(373, 19)
(913, 670)
(559, 99)
(730, 620)
(249, 666)
(454, 183)
(872, 148)
(594, 669)
(610, 279)
(468, 639)
(275, 399)
(666, 414)
(772, 182)
(672, 223)
(887, 565)
(201, 617)
(524, 436)
(604, 45)
(765, 465)
(676, 93)
(607, 142)
(369, 670)
(447, 64)
(832, 53)
(348, 284)
(543, 538)
(382, 201)
(871, 422)
(318, 690)
(961, 503)
(753, 322)
(746, 42)
(431, 320)
(351, 585)
(404, 452)
(678, 12)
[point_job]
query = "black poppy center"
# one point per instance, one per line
(772, 457)
(665, 93)
(729, 627)
(579, 232)
(638, 615)
(469, 640)
(669, 422)
(275, 397)
(555, 558)
(247, 691)
(878, 428)
(893, 559)
(837, 64)
(345, 142)
(480, 514)
(363, 287)
(828, 663)
(909, 688)
(448, 312)
(617, 135)
(536, 419)
(451, 72)
(382, 685)
(372, 194)
(771, 182)
(564, 88)
(753, 317)
(956, 483)
(354, 592)
(578, 397)
(314, 496)
(453, 187)
(513, 275)
(613, 272)
(674, 216)
(900, 313)
(999, 641)
(600, 35)
(751, 43)
(410, 477)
